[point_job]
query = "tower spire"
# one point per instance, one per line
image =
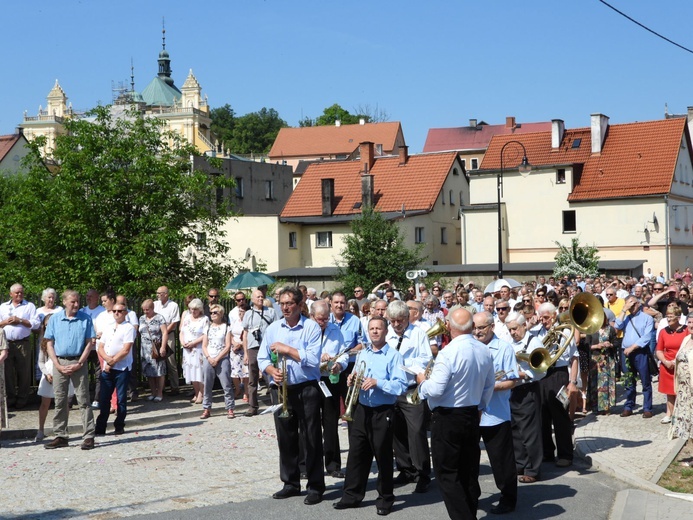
(132, 76)
(163, 32)
(164, 59)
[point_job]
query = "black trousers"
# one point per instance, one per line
(412, 454)
(330, 423)
(371, 436)
(525, 410)
(456, 454)
(305, 401)
(554, 413)
(498, 441)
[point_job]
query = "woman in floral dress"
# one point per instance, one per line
(193, 329)
(682, 419)
(239, 368)
(668, 345)
(601, 389)
(153, 329)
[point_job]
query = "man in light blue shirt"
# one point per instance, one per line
(637, 329)
(383, 379)
(495, 420)
(460, 385)
(412, 454)
(296, 339)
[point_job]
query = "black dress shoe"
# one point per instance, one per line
(286, 492)
(402, 479)
(383, 511)
(345, 505)
(312, 498)
(502, 509)
(304, 475)
(337, 474)
(119, 432)
(422, 485)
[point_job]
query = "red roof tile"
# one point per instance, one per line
(637, 159)
(6, 144)
(332, 140)
(416, 184)
(474, 138)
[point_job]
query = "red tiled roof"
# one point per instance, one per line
(637, 159)
(474, 138)
(6, 144)
(416, 184)
(332, 140)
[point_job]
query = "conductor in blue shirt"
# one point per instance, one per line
(373, 420)
(460, 387)
(296, 339)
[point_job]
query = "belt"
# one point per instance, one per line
(457, 410)
(15, 341)
(298, 386)
(69, 358)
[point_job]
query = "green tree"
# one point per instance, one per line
(575, 259)
(375, 251)
(335, 112)
(119, 207)
(223, 122)
(255, 132)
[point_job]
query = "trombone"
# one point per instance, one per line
(352, 396)
(326, 366)
(585, 316)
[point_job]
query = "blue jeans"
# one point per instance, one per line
(118, 380)
(637, 362)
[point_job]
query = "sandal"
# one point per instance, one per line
(526, 479)
(206, 414)
(230, 415)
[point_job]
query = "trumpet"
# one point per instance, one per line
(500, 374)
(413, 396)
(285, 414)
(326, 366)
(585, 315)
(352, 396)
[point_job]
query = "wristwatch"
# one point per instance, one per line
(574, 382)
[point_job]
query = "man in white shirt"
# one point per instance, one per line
(17, 318)
(115, 349)
(170, 312)
(460, 386)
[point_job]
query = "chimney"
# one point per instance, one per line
(362, 121)
(403, 155)
(510, 122)
(366, 191)
(367, 155)
(557, 129)
(472, 123)
(337, 122)
(327, 196)
(599, 125)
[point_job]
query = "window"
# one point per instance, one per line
(464, 163)
(323, 239)
(418, 235)
(239, 187)
(443, 235)
(201, 241)
(475, 164)
(461, 199)
(220, 196)
(455, 172)
(560, 176)
(569, 225)
(269, 190)
(378, 149)
(292, 240)
(451, 198)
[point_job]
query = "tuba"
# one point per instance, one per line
(585, 315)
(352, 396)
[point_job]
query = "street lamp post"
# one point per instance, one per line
(524, 168)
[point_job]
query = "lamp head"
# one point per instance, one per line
(525, 168)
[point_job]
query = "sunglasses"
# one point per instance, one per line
(502, 308)
(240, 299)
(213, 295)
(118, 310)
(214, 312)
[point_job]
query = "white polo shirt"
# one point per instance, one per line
(169, 311)
(114, 339)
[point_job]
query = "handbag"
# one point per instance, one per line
(652, 363)
(156, 348)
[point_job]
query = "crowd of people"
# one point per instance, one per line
(393, 363)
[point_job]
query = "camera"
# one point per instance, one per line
(257, 334)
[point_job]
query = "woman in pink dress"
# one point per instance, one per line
(668, 345)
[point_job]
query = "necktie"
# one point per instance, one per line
(399, 342)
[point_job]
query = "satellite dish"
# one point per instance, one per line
(253, 263)
(248, 253)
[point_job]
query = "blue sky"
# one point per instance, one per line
(426, 63)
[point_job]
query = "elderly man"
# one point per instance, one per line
(115, 349)
(411, 442)
(372, 431)
(170, 312)
(352, 331)
(296, 340)
(561, 374)
(460, 386)
(69, 336)
(255, 323)
(17, 318)
(379, 308)
(478, 301)
(335, 359)
(525, 403)
(495, 428)
(637, 328)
